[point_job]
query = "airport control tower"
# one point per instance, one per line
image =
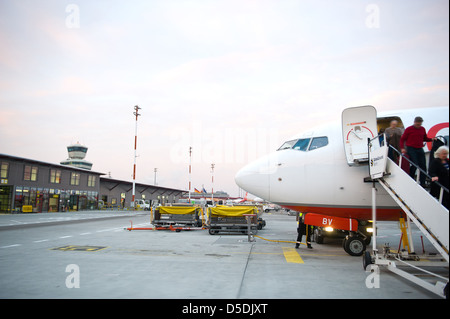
(77, 153)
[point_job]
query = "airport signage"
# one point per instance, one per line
(27, 209)
(378, 154)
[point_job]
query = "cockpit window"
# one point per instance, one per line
(287, 145)
(302, 144)
(305, 144)
(318, 142)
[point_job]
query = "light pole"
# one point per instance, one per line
(190, 162)
(212, 181)
(136, 113)
(156, 169)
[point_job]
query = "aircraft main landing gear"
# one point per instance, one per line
(354, 245)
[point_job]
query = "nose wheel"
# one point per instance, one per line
(367, 260)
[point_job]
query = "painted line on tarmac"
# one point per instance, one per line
(115, 229)
(9, 246)
(109, 229)
(40, 241)
(292, 256)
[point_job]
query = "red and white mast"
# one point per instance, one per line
(212, 183)
(190, 162)
(136, 113)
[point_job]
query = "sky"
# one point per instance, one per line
(231, 79)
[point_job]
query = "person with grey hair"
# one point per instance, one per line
(439, 172)
(393, 136)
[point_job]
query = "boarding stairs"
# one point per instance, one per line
(429, 215)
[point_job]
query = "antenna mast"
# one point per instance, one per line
(136, 113)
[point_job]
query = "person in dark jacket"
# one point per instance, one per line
(393, 136)
(303, 229)
(439, 173)
(440, 141)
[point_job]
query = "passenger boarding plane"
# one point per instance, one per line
(310, 173)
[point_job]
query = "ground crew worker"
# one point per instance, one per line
(303, 229)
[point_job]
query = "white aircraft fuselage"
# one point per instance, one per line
(312, 175)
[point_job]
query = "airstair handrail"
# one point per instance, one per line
(443, 188)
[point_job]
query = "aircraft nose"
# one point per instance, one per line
(255, 178)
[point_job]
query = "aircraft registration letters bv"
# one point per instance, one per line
(322, 171)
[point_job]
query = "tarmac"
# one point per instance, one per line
(92, 255)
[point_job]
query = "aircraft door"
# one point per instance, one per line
(358, 125)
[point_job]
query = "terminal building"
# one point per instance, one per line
(219, 197)
(116, 193)
(28, 185)
(46, 187)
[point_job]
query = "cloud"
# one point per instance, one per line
(230, 23)
(434, 89)
(9, 55)
(237, 71)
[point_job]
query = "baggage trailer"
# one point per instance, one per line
(261, 223)
(223, 219)
(177, 218)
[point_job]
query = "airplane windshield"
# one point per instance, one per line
(318, 142)
(305, 144)
(287, 145)
(302, 144)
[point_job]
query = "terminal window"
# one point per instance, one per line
(91, 181)
(4, 170)
(55, 176)
(30, 173)
(75, 179)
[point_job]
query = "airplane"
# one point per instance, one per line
(312, 173)
(241, 200)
